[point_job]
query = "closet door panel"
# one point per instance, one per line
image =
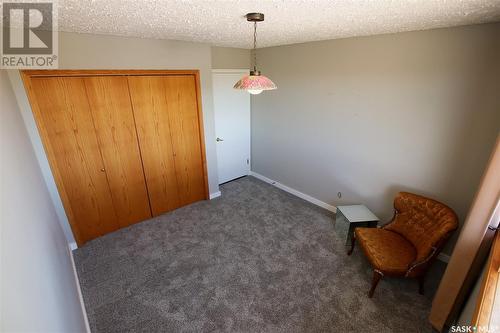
(153, 129)
(180, 93)
(63, 115)
(114, 123)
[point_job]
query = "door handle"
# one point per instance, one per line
(219, 139)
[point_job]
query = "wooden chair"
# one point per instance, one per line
(408, 244)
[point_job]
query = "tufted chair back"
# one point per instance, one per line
(422, 221)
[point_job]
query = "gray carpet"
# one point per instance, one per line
(255, 260)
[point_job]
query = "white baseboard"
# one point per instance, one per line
(215, 195)
(72, 246)
(299, 194)
(79, 290)
(442, 257)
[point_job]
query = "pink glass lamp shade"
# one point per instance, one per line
(255, 83)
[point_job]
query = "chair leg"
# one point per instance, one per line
(421, 280)
(377, 276)
(353, 240)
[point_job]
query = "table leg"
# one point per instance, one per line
(353, 241)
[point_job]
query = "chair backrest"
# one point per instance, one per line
(423, 221)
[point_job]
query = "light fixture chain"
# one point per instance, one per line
(254, 46)
(254, 82)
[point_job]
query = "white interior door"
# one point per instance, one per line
(232, 125)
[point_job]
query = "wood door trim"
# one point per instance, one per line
(113, 72)
(486, 299)
(202, 133)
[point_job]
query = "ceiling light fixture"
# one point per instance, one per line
(255, 83)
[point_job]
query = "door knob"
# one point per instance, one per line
(102, 170)
(219, 139)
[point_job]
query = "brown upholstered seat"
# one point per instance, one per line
(408, 244)
(386, 250)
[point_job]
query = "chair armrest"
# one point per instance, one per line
(421, 263)
(434, 252)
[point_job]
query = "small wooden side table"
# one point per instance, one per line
(350, 217)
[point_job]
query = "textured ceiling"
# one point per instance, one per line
(222, 23)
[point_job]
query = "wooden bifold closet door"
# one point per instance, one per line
(166, 115)
(122, 147)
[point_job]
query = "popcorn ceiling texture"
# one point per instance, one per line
(222, 23)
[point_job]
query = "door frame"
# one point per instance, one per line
(28, 75)
(234, 71)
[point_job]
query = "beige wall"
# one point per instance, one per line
(230, 58)
(84, 51)
(371, 116)
(38, 287)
